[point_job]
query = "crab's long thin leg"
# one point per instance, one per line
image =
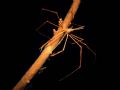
(63, 47)
(85, 45)
(81, 39)
(80, 60)
(89, 48)
(37, 29)
(51, 12)
(44, 45)
(76, 37)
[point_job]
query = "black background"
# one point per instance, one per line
(20, 46)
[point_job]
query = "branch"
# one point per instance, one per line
(53, 43)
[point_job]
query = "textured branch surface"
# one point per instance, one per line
(53, 43)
